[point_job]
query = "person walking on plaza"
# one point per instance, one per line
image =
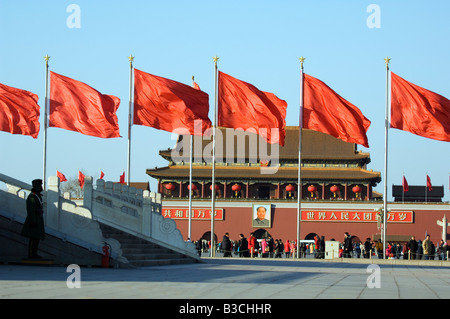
(426, 245)
(287, 247)
(379, 249)
(243, 246)
(405, 250)
(252, 244)
(302, 250)
(441, 250)
(413, 246)
(226, 245)
(419, 250)
(322, 247)
(293, 248)
(347, 245)
(264, 248)
(198, 245)
(316, 246)
(33, 227)
(367, 248)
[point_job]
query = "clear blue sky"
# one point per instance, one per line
(257, 41)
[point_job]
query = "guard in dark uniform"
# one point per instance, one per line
(33, 228)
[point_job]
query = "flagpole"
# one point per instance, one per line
(386, 60)
(190, 187)
(190, 180)
(44, 173)
(130, 115)
(213, 177)
(299, 183)
(403, 188)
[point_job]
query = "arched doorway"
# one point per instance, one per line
(207, 236)
(355, 239)
(310, 236)
(261, 233)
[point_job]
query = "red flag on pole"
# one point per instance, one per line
(405, 185)
(169, 105)
(327, 112)
(429, 183)
(122, 178)
(75, 106)
(418, 110)
(102, 174)
(242, 106)
(81, 179)
(19, 111)
(195, 85)
(61, 176)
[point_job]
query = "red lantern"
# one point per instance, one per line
(290, 189)
(236, 188)
(216, 187)
(334, 189)
(356, 189)
(170, 187)
(312, 189)
(194, 187)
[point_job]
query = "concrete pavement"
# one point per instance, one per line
(230, 279)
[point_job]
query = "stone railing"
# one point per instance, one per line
(63, 218)
(134, 211)
(126, 208)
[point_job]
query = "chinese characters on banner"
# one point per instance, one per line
(355, 216)
(197, 213)
(307, 215)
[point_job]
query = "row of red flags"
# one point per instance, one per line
(406, 186)
(81, 176)
(170, 105)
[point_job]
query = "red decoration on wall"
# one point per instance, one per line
(312, 189)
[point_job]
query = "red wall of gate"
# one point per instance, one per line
(238, 220)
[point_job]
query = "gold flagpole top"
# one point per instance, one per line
(387, 60)
(301, 59)
(46, 58)
(215, 59)
(131, 59)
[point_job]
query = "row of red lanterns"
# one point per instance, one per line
(312, 189)
(171, 187)
(289, 188)
(236, 188)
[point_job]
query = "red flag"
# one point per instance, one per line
(81, 179)
(430, 188)
(61, 176)
(169, 105)
(419, 111)
(195, 85)
(242, 106)
(78, 107)
(405, 185)
(102, 174)
(19, 111)
(122, 178)
(327, 112)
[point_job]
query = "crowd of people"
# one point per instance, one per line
(269, 247)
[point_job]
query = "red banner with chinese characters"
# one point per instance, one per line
(355, 216)
(197, 213)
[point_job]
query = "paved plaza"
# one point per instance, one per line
(231, 279)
